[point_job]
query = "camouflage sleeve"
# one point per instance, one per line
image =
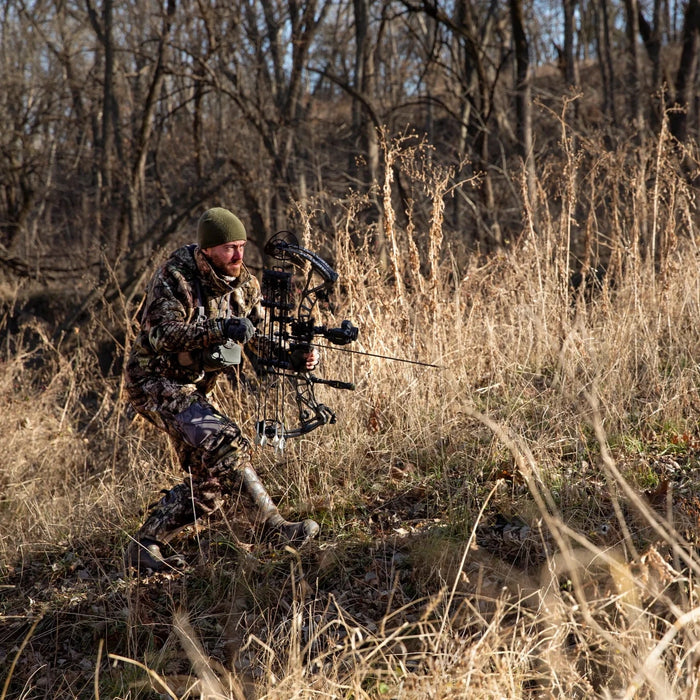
(170, 316)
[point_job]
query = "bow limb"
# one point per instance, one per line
(320, 279)
(284, 246)
(312, 414)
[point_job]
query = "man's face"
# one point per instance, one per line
(226, 258)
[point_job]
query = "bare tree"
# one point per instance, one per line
(482, 63)
(364, 85)
(605, 61)
(680, 105)
(568, 55)
(523, 100)
(635, 103)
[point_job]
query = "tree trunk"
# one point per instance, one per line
(635, 106)
(108, 145)
(607, 50)
(570, 67)
(523, 104)
(364, 84)
(604, 65)
(678, 117)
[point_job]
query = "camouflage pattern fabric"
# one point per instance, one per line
(171, 336)
(167, 384)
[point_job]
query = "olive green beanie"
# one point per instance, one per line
(217, 226)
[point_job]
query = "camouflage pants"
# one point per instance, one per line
(210, 449)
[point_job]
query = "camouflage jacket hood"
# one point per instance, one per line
(172, 331)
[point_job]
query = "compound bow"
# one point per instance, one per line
(286, 338)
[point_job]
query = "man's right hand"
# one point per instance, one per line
(239, 329)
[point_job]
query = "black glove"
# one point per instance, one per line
(239, 329)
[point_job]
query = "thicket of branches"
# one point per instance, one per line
(121, 122)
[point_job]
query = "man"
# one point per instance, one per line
(201, 307)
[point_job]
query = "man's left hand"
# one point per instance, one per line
(239, 329)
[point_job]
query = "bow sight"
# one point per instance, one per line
(347, 333)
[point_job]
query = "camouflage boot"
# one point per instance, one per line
(293, 532)
(170, 515)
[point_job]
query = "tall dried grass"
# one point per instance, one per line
(557, 405)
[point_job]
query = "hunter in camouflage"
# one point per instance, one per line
(202, 306)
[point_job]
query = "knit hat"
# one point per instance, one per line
(217, 226)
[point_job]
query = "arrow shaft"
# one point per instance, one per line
(381, 357)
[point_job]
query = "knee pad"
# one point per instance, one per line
(200, 423)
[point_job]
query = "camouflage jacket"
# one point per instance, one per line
(172, 334)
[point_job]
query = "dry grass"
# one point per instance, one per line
(573, 415)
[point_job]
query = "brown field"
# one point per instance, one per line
(520, 522)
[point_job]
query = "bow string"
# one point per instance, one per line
(286, 337)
